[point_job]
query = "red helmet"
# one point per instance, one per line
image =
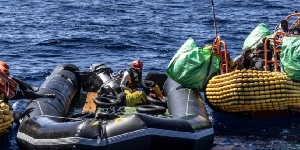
(137, 64)
(4, 65)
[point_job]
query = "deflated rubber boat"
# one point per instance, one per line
(187, 126)
(43, 124)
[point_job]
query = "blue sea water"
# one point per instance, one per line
(36, 36)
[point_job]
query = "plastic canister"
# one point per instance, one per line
(140, 89)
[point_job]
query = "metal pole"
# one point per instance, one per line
(214, 17)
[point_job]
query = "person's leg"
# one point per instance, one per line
(157, 92)
(127, 92)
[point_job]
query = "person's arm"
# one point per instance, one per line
(124, 81)
(232, 65)
(236, 58)
(22, 85)
(143, 83)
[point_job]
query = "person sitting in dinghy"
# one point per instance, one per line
(24, 90)
(282, 27)
(132, 81)
(244, 61)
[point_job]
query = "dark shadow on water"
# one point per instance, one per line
(241, 132)
(229, 124)
(267, 124)
(235, 133)
(8, 141)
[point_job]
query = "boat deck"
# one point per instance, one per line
(89, 105)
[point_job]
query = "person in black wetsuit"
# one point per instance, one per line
(244, 61)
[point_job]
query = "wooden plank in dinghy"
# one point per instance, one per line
(89, 105)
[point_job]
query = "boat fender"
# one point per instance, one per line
(156, 101)
(151, 109)
(106, 101)
(109, 97)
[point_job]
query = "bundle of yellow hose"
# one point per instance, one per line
(135, 98)
(252, 90)
(6, 118)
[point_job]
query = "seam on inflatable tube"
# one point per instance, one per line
(118, 138)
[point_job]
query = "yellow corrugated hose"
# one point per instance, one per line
(6, 118)
(134, 98)
(252, 90)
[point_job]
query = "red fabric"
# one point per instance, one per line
(4, 65)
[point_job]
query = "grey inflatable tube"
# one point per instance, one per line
(186, 104)
(43, 114)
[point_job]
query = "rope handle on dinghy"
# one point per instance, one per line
(50, 116)
(115, 111)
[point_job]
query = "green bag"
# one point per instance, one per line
(189, 66)
(254, 39)
(290, 57)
